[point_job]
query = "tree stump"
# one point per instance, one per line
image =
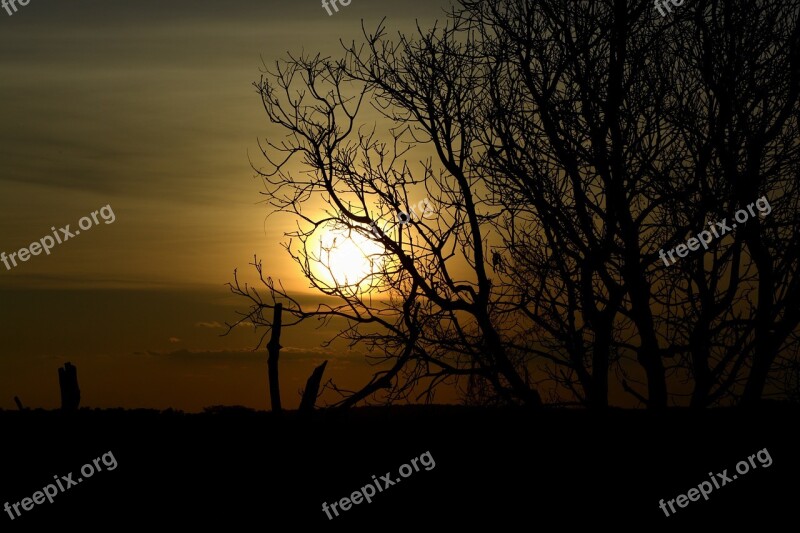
(312, 389)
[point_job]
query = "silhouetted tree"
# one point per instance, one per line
(737, 111)
(562, 144)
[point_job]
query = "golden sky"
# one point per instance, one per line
(148, 107)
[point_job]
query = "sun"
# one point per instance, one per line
(348, 260)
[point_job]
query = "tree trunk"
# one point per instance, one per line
(274, 349)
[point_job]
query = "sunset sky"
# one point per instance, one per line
(149, 107)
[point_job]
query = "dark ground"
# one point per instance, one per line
(494, 469)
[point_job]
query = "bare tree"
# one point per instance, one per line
(435, 322)
(619, 132)
(562, 145)
(576, 137)
(736, 110)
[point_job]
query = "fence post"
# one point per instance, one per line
(19, 403)
(70, 393)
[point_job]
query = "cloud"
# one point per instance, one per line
(210, 325)
(288, 354)
(218, 325)
(174, 339)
